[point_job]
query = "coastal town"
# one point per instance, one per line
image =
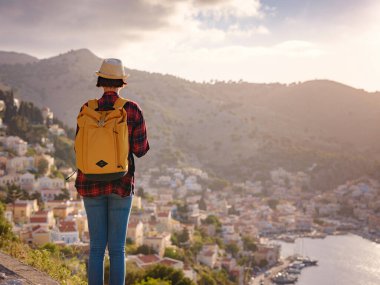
(227, 226)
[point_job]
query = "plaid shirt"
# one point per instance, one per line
(139, 146)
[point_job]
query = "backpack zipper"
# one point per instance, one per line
(116, 146)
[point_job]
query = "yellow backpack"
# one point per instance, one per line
(102, 142)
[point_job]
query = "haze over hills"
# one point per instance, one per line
(236, 130)
(10, 57)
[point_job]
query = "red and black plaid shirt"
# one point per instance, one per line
(139, 146)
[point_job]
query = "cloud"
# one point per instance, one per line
(48, 25)
(267, 40)
(225, 9)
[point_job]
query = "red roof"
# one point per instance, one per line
(148, 258)
(35, 227)
(168, 262)
(19, 205)
(264, 250)
(67, 226)
(41, 212)
(67, 222)
(132, 224)
(208, 253)
(38, 219)
(41, 231)
(235, 272)
(163, 214)
(67, 229)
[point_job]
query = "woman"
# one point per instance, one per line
(108, 203)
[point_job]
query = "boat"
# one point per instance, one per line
(297, 265)
(284, 278)
(309, 262)
(293, 270)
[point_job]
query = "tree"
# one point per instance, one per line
(133, 274)
(18, 126)
(217, 184)
(37, 195)
(53, 248)
(36, 133)
(174, 253)
(184, 236)
(32, 113)
(196, 247)
(10, 107)
(249, 244)
(6, 232)
(152, 281)
(263, 263)
(42, 166)
(65, 195)
(174, 276)
(206, 280)
(14, 193)
(232, 248)
(144, 249)
(64, 150)
(202, 204)
(272, 203)
(213, 220)
(141, 192)
(233, 211)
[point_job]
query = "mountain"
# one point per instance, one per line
(10, 57)
(236, 130)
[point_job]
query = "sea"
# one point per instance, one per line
(342, 260)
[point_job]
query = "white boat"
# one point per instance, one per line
(284, 278)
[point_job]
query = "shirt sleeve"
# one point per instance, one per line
(140, 144)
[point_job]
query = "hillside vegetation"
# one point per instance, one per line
(235, 130)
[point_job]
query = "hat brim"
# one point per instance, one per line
(111, 76)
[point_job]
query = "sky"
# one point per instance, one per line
(252, 40)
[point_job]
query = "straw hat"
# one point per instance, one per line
(112, 68)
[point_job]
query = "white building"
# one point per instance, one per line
(192, 185)
(48, 158)
(44, 218)
(47, 115)
(158, 242)
(15, 143)
(27, 181)
(208, 255)
(10, 179)
(66, 232)
(56, 130)
(20, 163)
(136, 232)
(50, 183)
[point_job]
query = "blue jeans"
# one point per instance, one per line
(107, 217)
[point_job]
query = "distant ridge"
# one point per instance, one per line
(10, 57)
(232, 129)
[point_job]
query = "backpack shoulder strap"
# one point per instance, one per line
(93, 104)
(119, 103)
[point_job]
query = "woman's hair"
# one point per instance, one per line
(105, 82)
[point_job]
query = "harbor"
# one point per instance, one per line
(342, 260)
(285, 273)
